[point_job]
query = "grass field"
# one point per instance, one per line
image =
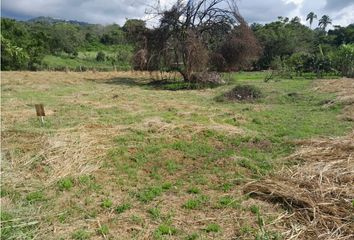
(87, 60)
(119, 158)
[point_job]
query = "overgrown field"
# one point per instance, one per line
(120, 158)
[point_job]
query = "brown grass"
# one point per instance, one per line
(344, 89)
(317, 193)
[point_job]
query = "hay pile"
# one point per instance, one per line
(317, 193)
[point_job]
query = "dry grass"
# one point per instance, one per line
(88, 112)
(37, 158)
(318, 192)
(344, 89)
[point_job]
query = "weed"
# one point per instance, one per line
(35, 197)
(65, 184)
(148, 194)
(89, 181)
(193, 236)
(123, 207)
(107, 203)
(263, 233)
(137, 219)
(255, 209)
(196, 202)
(103, 230)
(226, 187)
(81, 234)
(212, 227)
(193, 190)
(226, 201)
(246, 229)
(165, 229)
(172, 166)
(166, 186)
(154, 213)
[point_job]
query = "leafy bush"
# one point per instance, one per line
(101, 56)
(343, 60)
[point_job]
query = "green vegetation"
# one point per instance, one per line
(196, 202)
(103, 230)
(49, 44)
(155, 213)
(58, 45)
(212, 227)
(65, 184)
(81, 235)
(123, 207)
(35, 197)
(193, 190)
(107, 203)
(117, 152)
(164, 229)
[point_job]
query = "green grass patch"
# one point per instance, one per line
(212, 227)
(165, 229)
(81, 234)
(107, 203)
(65, 184)
(196, 203)
(123, 207)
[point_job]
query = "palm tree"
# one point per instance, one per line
(324, 22)
(310, 17)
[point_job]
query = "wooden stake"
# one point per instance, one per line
(40, 112)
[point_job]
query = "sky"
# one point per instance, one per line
(117, 11)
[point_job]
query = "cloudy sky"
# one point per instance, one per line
(116, 11)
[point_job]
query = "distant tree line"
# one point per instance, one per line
(289, 44)
(24, 44)
(191, 37)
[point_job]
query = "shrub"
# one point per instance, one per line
(344, 60)
(242, 92)
(101, 56)
(207, 79)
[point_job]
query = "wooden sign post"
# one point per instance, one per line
(40, 112)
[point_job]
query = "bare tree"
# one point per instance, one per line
(190, 31)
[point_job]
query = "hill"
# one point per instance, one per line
(50, 20)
